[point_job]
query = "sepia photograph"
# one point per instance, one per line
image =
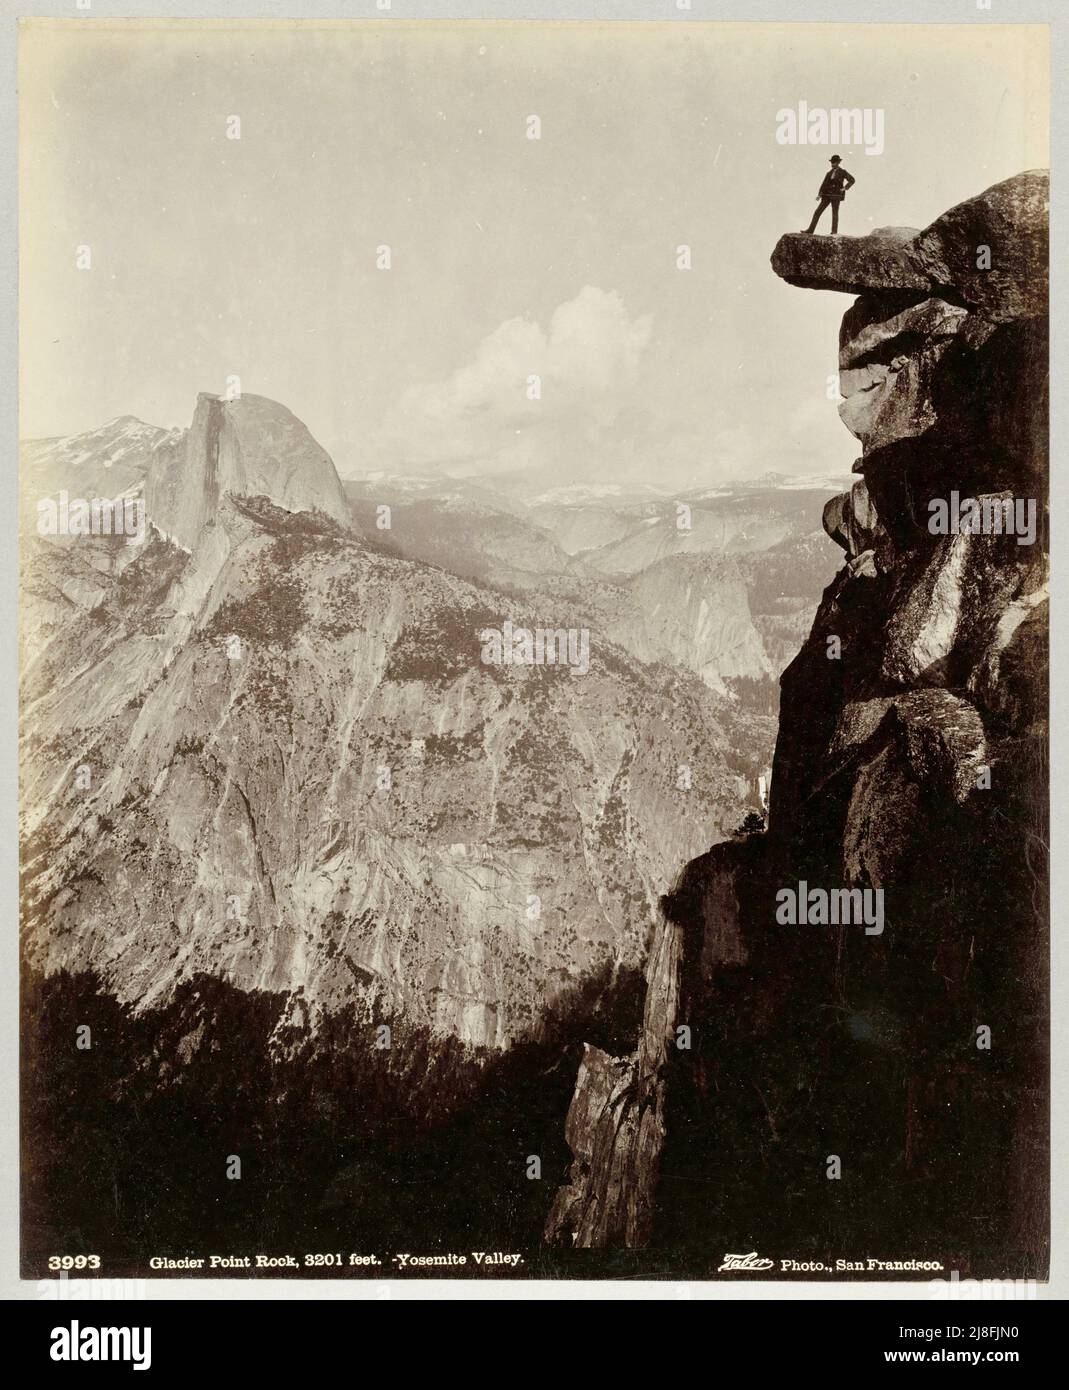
(533, 652)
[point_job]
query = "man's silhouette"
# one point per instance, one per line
(832, 192)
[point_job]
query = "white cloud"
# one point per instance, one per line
(480, 418)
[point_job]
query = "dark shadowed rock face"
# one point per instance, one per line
(911, 760)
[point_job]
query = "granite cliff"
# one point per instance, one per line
(247, 446)
(910, 762)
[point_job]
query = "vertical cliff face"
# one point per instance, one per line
(910, 765)
(248, 447)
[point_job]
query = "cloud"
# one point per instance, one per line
(481, 418)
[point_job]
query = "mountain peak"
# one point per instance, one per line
(123, 421)
(248, 446)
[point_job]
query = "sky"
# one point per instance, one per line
(510, 257)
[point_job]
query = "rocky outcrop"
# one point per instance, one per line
(910, 767)
(248, 447)
(616, 1122)
(946, 259)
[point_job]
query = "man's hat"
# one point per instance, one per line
(835, 159)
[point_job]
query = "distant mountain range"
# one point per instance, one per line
(256, 777)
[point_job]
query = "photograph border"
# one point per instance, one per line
(447, 12)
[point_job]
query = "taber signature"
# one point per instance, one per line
(750, 1261)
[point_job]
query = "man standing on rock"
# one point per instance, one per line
(832, 192)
